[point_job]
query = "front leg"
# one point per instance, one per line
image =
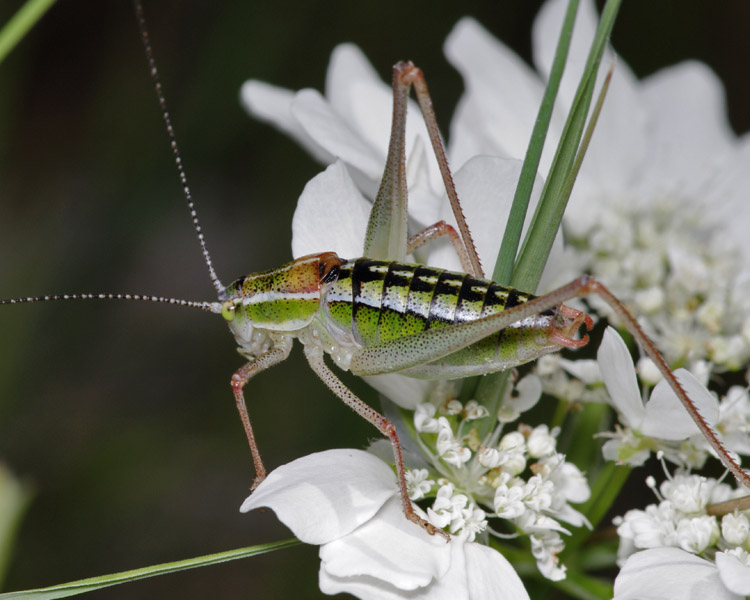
(266, 360)
(315, 358)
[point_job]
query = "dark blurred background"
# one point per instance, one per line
(120, 416)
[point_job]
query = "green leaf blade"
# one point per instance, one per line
(82, 586)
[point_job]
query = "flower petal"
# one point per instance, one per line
(486, 186)
(365, 102)
(618, 373)
(349, 67)
(497, 112)
(331, 215)
(527, 392)
(273, 104)
(586, 370)
(725, 191)
(490, 575)
(403, 391)
(365, 588)
(361, 98)
(688, 124)
(666, 573)
(614, 166)
(667, 419)
(733, 573)
(324, 496)
(338, 138)
(388, 548)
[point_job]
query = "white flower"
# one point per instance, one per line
(448, 447)
(696, 534)
(688, 494)
(570, 486)
(508, 499)
(513, 447)
(673, 574)
(734, 419)
(490, 458)
(545, 547)
(735, 528)
(524, 396)
(424, 418)
(734, 570)
(671, 128)
(417, 483)
(347, 502)
(540, 443)
(675, 175)
(651, 528)
(454, 407)
(456, 513)
(352, 123)
(513, 441)
(473, 410)
(662, 418)
(538, 493)
(672, 533)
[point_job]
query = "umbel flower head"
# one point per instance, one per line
(347, 502)
(661, 143)
(659, 208)
(674, 547)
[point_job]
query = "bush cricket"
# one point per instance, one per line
(266, 340)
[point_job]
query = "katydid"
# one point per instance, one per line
(381, 314)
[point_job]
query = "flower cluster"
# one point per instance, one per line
(680, 521)
(636, 221)
(694, 298)
(518, 476)
(347, 502)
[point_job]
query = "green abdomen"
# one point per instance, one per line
(380, 300)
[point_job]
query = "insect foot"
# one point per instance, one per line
(427, 526)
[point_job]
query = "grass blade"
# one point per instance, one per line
(96, 583)
(548, 216)
(20, 24)
(513, 228)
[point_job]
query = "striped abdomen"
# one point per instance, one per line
(378, 301)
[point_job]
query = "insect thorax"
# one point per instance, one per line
(263, 308)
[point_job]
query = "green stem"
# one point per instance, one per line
(20, 24)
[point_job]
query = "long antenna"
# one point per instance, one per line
(173, 143)
(213, 307)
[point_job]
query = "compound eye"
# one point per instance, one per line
(228, 310)
(329, 267)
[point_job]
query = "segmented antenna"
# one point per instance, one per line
(212, 307)
(173, 143)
